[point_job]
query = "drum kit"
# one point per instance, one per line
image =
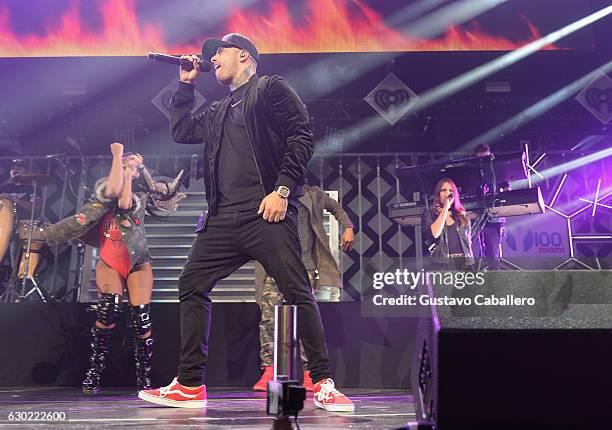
(30, 234)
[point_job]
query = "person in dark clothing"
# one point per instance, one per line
(257, 142)
(447, 227)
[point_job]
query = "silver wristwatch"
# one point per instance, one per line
(283, 191)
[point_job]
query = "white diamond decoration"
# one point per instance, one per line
(391, 98)
(596, 97)
(406, 242)
(384, 223)
(382, 184)
(381, 262)
(359, 200)
(362, 241)
(162, 98)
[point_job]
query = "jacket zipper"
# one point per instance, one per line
(446, 240)
(255, 158)
(213, 168)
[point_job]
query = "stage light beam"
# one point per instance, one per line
(596, 197)
(469, 78)
(554, 199)
(372, 125)
(537, 109)
(336, 72)
(565, 167)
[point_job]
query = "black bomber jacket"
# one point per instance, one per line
(277, 125)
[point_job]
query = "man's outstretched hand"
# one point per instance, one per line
(273, 207)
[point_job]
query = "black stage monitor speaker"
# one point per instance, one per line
(548, 365)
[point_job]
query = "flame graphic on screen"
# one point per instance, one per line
(121, 33)
(328, 26)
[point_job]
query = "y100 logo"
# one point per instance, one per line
(536, 239)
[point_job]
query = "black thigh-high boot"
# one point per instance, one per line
(108, 308)
(140, 323)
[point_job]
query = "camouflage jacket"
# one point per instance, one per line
(84, 225)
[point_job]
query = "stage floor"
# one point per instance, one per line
(227, 408)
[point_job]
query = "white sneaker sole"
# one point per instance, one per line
(334, 408)
(192, 404)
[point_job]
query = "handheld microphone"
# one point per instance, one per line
(450, 196)
(178, 61)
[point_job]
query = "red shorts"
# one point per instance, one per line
(112, 249)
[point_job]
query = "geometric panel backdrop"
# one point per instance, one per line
(366, 185)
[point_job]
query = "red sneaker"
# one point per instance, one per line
(262, 384)
(308, 381)
(175, 395)
(327, 397)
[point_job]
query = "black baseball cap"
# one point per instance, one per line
(234, 40)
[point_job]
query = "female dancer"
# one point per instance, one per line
(113, 220)
(448, 228)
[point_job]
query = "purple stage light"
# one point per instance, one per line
(572, 179)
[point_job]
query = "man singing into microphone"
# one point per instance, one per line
(257, 143)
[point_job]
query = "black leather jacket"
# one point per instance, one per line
(440, 254)
(277, 124)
